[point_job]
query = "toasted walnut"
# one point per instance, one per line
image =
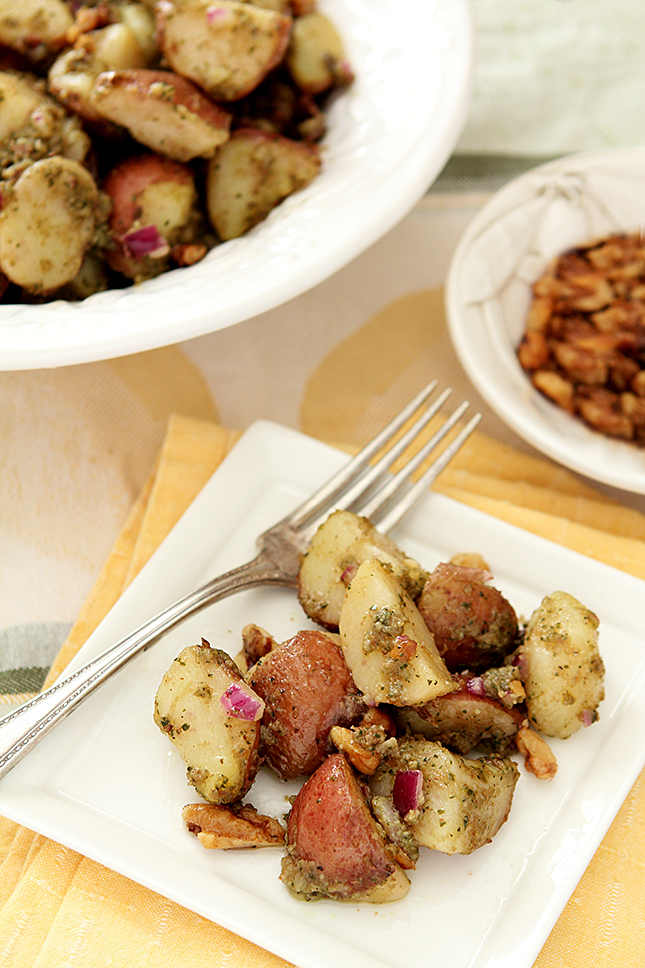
(227, 828)
(638, 384)
(584, 339)
(600, 408)
(634, 408)
(554, 386)
(539, 758)
(361, 758)
(470, 559)
(539, 314)
(534, 350)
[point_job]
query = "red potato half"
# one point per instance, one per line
(563, 671)
(335, 847)
(462, 722)
(307, 688)
(474, 626)
(219, 748)
(226, 47)
(163, 111)
(251, 174)
(148, 192)
(73, 74)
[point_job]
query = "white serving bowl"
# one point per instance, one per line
(504, 249)
(389, 136)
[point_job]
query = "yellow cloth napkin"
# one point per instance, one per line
(59, 908)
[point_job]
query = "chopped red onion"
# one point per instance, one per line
(349, 573)
(146, 241)
(408, 787)
(587, 717)
(240, 702)
(475, 685)
(214, 14)
(404, 647)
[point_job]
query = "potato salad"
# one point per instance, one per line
(135, 135)
(403, 714)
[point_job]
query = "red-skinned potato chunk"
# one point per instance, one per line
(154, 208)
(335, 847)
(463, 803)
(316, 55)
(463, 721)
(474, 626)
(163, 111)
(307, 689)
(387, 645)
(218, 746)
(48, 220)
(72, 75)
(251, 174)
(226, 47)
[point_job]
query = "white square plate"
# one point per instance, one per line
(107, 783)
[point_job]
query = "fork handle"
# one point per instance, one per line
(24, 727)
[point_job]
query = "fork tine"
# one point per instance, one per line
(410, 491)
(355, 469)
(392, 482)
(372, 474)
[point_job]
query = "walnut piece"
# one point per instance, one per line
(584, 339)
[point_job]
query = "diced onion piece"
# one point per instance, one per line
(146, 241)
(214, 14)
(407, 792)
(475, 685)
(241, 702)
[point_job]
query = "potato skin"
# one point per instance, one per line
(148, 189)
(335, 848)
(564, 678)
(463, 722)
(474, 626)
(307, 689)
(167, 113)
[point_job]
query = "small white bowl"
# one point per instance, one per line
(502, 252)
(389, 136)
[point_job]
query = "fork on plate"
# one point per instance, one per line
(364, 485)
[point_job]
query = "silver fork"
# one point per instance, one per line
(360, 486)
